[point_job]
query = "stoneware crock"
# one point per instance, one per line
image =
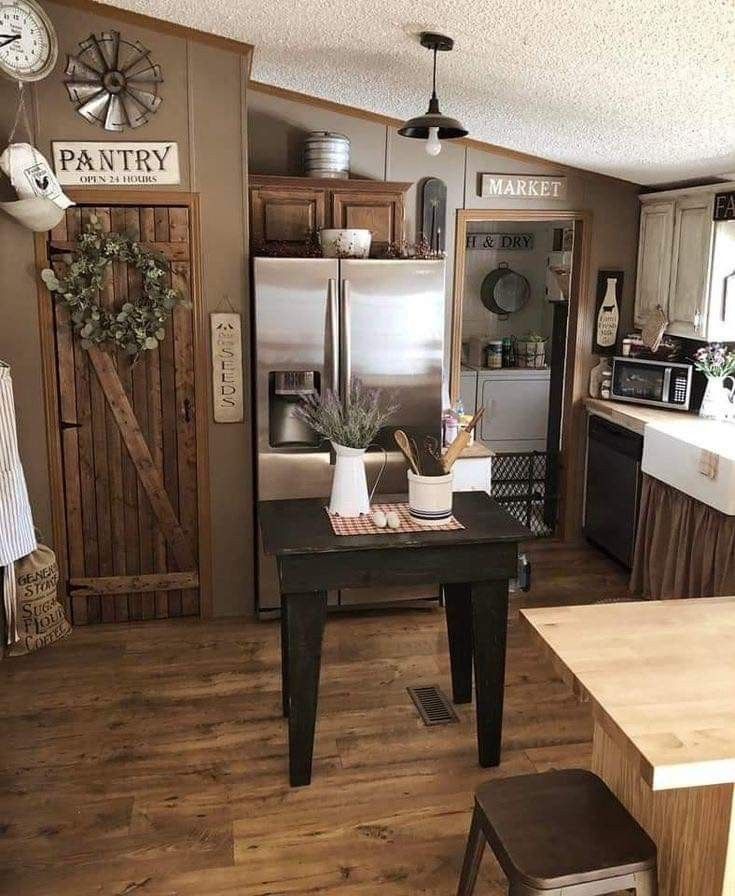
(430, 498)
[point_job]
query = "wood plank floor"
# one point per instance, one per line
(150, 758)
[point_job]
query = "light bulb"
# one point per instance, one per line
(433, 145)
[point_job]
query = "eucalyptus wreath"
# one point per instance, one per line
(138, 326)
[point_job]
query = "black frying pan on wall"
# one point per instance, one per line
(504, 291)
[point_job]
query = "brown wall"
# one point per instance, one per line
(277, 126)
(203, 109)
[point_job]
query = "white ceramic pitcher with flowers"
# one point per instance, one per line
(717, 363)
(350, 422)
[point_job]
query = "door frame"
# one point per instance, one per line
(579, 341)
(201, 391)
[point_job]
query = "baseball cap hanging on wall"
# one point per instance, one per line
(41, 201)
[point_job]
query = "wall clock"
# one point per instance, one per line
(113, 81)
(28, 45)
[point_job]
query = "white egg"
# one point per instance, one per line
(393, 520)
(379, 519)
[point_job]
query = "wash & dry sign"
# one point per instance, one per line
(522, 186)
(501, 241)
(121, 164)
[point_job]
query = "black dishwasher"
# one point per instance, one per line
(613, 488)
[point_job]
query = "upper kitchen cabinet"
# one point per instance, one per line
(278, 215)
(686, 264)
(287, 209)
(654, 258)
(693, 232)
(382, 214)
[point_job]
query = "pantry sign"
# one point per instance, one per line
(120, 164)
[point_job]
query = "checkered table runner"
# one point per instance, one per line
(364, 525)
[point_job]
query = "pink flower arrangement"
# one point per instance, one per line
(715, 360)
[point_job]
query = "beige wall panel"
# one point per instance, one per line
(19, 342)
(217, 86)
(407, 161)
(280, 125)
(480, 162)
(203, 87)
(58, 117)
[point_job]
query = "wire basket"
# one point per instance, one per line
(519, 485)
(530, 353)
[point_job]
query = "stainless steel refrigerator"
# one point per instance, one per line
(319, 322)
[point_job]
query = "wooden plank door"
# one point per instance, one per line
(128, 439)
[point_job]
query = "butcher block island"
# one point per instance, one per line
(660, 677)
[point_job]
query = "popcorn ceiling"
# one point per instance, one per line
(638, 89)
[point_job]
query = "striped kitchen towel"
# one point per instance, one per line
(17, 537)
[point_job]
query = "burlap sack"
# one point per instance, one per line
(41, 618)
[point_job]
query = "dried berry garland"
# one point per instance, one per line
(137, 326)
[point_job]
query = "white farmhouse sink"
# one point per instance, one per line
(672, 452)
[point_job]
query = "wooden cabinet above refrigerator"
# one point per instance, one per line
(286, 209)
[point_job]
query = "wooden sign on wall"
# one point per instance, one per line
(724, 207)
(116, 163)
(499, 241)
(227, 386)
(522, 186)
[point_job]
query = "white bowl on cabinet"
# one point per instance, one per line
(345, 243)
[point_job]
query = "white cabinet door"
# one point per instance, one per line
(516, 413)
(693, 228)
(654, 258)
(468, 390)
(721, 307)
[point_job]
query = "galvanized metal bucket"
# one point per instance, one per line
(326, 155)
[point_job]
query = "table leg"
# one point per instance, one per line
(693, 828)
(284, 658)
(458, 609)
(489, 635)
(305, 617)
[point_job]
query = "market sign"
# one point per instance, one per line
(503, 241)
(120, 164)
(514, 186)
(724, 209)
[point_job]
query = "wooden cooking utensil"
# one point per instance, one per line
(407, 450)
(461, 442)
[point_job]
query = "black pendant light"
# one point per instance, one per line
(433, 126)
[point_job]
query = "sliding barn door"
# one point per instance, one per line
(128, 439)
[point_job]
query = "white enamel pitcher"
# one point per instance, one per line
(350, 496)
(719, 399)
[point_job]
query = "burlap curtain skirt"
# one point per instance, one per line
(683, 547)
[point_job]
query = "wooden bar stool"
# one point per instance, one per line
(560, 833)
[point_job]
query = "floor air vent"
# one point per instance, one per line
(433, 706)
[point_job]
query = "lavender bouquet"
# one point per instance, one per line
(715, 360)
(353, 421)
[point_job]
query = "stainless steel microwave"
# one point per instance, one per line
(664, 384)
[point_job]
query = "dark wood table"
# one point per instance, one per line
(473, 565)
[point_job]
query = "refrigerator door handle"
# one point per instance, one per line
(345, 362)
(333, 335)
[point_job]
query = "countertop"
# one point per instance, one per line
(671, 712)
(505, 371)
(688, 452)
(477, 450)
(636, 416)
